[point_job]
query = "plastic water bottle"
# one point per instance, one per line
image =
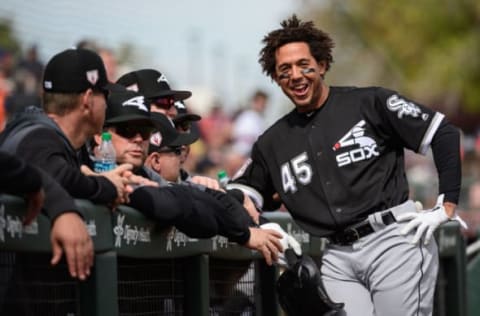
(106, 156)
(223, 179)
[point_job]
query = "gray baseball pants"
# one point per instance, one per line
(382, 274)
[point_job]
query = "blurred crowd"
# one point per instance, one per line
(225, 137)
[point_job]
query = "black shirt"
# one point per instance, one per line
(335, 166)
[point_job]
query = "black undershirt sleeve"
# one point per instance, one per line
(446, 155)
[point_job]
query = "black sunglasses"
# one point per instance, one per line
(130, 131)
(165, 103)
(176, 150)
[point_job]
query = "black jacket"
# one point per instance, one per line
(38, 140)
(19, 178)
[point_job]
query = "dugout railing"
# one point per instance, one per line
(142, 270)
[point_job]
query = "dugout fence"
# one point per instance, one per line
(141, 270)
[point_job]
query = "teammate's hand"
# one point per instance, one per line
(69, 234)
(287, 241)
(206, 182)
(34, 205)
(267, 242)
(426, 221)
(137, 181)
(120, 179)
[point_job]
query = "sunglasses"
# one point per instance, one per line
(130, 131)
(176, 150)
(164, 102)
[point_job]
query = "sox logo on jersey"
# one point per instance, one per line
(367, 146)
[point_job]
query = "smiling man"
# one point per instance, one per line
(337, 163)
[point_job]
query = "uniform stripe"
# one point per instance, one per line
(256, 197)
(432, 129)
(419, 285)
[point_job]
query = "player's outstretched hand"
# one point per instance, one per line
(287, 241)
(206, 182)
(267, 242)
(426, 221)
(69, 234)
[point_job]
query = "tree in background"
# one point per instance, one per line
(427, 49)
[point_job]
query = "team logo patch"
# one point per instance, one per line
(133, 87)
(179, 105)
(92, 76)
(162, 78)
(366, 147)
(403, 107)
(138, 102)
(156, 139)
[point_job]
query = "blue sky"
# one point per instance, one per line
(210, 43)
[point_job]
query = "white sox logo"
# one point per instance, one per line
(403, 107)
(138, 102)
(355, 136)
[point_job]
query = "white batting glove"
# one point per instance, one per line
(426, 221)
(287, 241)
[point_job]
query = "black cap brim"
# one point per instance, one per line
(129, 118)
(186, 117)
(184, 139)
(178, 95)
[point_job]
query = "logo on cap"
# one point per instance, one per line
(138, 102)
(162, 78)
(92, 76)
(156, 139)
(133, 87)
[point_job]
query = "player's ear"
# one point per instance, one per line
(97, 138)
(322, 68)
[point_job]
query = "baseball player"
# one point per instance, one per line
(337, 163)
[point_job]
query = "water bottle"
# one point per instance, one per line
(223, 179)
(106, 157)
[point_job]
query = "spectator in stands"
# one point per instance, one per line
(250, 124)
(194, 209)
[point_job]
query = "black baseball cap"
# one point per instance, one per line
(167, 135)
(75, 70)
(152, 84)
(124, 105)
(183, 115)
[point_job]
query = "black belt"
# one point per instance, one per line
(353, 233)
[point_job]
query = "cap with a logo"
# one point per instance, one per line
(183, 115)
(74, 71)
(167, 135)
(152, 84)
(124, 106)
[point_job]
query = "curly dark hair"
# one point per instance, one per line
(294, 30)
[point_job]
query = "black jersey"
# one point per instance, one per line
(335, 166)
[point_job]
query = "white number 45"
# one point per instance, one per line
(302, 172)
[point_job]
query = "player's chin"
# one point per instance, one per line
(136, 160)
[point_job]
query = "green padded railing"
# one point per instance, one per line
(125, 237)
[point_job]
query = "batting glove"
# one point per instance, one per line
(426, 221)
(287, 241)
